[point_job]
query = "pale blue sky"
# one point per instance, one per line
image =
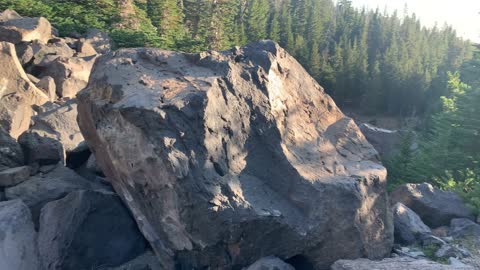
(463, 15)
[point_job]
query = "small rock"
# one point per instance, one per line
(99, 40)
(464, 228)
(14, 176)
(408, 226)
(17, 238)
(431, 240)
(33, 79)
(47, 84)
(434, 206)
(270, 263)
(24, 53)
(446, 251)
(87, 229)
(11, 154)
(85, 49)
(40, 149)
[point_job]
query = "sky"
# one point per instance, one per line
(463, 15)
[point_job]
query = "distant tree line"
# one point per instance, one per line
(372, 61)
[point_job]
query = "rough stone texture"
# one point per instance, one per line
(45, 54)
(59, 124)
(435, 207)
(146, 261)
(270, 263)
(47, 84)
(217, 154)
(17, 93)
(17, 238)
(41, 150)
(14, 176)
(100, 41)
(41, 189)
(15, 29)
(86, 230)
(70, 74)
(85, 48)
(465, 228)
(11, 154)
(24, 53)
(399, 263)
(409, 228)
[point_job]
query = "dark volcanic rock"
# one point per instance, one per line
(11, 154)
(226, 157)
(435, 207)
(86, 230)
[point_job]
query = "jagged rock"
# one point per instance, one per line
(85, 48)
(47, 84)
(465, 228)
(434, 206)
(41, 189)
(61, 125)
(71, 74)
(409, 228)
(220, 153)
(88, 229)
(11, 154)
(17, 93)
(15, 29)
(14, 176)
(100, 41)
(17, 238)
(399, 263)
(24, 53)
(146, 261)
(41, 150)
(45, 54)
(270, 263)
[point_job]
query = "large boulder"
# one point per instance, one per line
(11, 154)
(41, 150)
(434, 206)
(218, 154)
(86, 230)
(399, 263)
(71, 74)
(18, 249)
(409, 228)
(15, 29)
(17, 93)
(14, 176)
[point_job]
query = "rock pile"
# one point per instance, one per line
(226, 160)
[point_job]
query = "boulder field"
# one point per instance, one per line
(218, 160)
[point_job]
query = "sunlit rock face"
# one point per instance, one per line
(228, 157)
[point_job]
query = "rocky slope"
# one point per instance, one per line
(221, 160)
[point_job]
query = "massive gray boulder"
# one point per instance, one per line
(88, 230)
(18, 249)
(226, 157)
(15, 29)
(434, 206)
(409, 228)
(17, 93)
